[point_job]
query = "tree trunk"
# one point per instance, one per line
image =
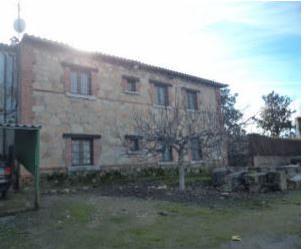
(181, 176)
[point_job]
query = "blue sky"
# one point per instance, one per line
(269, 41)
(252, 46)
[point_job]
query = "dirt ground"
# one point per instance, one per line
(125, 218)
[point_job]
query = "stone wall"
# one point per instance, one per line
(269, 146)
(260, 151)
(262, 161)
(46, 100)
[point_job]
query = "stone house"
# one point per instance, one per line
(80, 98)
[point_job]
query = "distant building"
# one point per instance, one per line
(78, 97)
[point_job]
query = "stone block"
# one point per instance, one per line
(277, 180)
(255, 181)
(235, 180)
(294, 182)
(291, 170)
(219, 176)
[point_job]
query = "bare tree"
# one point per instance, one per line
(176, 127)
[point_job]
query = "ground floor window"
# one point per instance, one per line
(196, 149)
(82, 149)
(133, 143)
(82, 153)
(167, 154)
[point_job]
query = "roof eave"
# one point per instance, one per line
(128, 62)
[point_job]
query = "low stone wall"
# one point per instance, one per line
(123, 169)
(93, 178)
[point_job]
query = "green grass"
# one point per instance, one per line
(90, 221)
(80, 211)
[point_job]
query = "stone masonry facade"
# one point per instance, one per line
(46, 99)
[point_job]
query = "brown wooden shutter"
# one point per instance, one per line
(94, 84)
(190, 153)
(124, 83)
(183, 100)
(199, 100)
(96, 151)
(174, 155)
(138, 86)
(66, 79)
(68, 152)
(218, 106)
(170, 96)
(151, 92)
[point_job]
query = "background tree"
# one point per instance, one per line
(176, 128)
(234, 127)
(232, 117)
(275, 117)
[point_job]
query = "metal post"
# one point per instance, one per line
(37, 175)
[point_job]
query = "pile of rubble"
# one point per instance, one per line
(257, 179)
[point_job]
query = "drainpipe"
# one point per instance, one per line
(18, 81)
(4, 106)
(18, 101)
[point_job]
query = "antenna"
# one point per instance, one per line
(19, 23)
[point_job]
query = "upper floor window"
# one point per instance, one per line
(8, 93)
(192, 100)
(161, 95)
(196, 150)
(80, 82)
(82, 152)
(130, 84)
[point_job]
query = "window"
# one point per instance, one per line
(131, 85)
(196, 150)
(192, 100)
(81, 152)
(82, 149)
(7, 86)
(80, 82)
(133, 142)
(161, 96)
(167, 154)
